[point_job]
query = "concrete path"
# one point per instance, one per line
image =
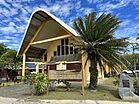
(4, 100)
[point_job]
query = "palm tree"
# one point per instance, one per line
(99, 43)
(137, 37)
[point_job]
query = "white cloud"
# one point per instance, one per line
(129, 31)
(87, 10)
(77, 5)
(137, 16)
(16, 35)
(133, 39)
(8, 30)
(10, 37)
(48, 2)
(8, 12)
(14, 46)
(125, 22)
(4, 41)
(21, 29)
(61, 9)
(4, 3)
(6, 20)
(94, 1)
(108, 6)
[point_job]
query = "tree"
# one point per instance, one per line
(9, 63)
(2, 49)
(9, 60)
(99, 43)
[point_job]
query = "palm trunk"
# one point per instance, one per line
(93, 74)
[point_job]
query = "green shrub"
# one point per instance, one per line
(136, 86)
(38, 82)
(116, 81)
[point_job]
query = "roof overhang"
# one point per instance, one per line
(41, 29)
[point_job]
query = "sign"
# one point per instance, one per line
(61, 66)
(126, 83)
(65, 75)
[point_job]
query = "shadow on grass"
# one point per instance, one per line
(111, 89)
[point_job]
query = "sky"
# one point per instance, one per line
(15, 14)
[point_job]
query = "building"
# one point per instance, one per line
(50, 39)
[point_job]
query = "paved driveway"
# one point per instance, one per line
(4, 100)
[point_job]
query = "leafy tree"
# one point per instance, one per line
(9, 59)
(99, 43)
(2, 49)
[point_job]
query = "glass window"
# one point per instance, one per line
(76, 51)
(62, 42)
(54, 53)
(62, 50)
(66, 41)
(58, 50)
(67, 50)
(71, 49)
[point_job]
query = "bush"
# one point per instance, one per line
(136, 86)
(116, 81)
(38, 82)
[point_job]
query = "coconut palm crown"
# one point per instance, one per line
(99, 44)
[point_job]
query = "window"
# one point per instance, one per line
(66, 41)
(71, 49)
(62, 42)
(76, 51)
(58, 50)
(67, 50)
(62, 46)
(54, 53)
(62, 50)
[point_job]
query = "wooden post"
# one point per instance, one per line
(24, 66)
(43, 65)
(37, 68)
(83, 81)
(48, 79)
(102, 74)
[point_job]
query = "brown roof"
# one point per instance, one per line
(72, 57)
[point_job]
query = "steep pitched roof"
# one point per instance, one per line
(37, 17)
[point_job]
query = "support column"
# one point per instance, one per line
(37, 68)
(83, 81)
(83, 76)
(102, 74)
(48, 78)
(24, 65)
(84, 70)
(43, 64)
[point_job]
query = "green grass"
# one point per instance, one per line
(109, 81)
(100, 94)
(6, 84)
(105, 91)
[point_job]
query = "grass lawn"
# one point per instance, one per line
(6, 84)
(105, 91)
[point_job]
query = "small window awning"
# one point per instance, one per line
(67, 58)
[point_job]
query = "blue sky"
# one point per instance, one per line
(14, 15)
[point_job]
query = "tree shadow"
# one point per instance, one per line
(112, 89)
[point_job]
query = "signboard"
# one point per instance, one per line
(61, 66)
(126, 83)
(65, 75)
